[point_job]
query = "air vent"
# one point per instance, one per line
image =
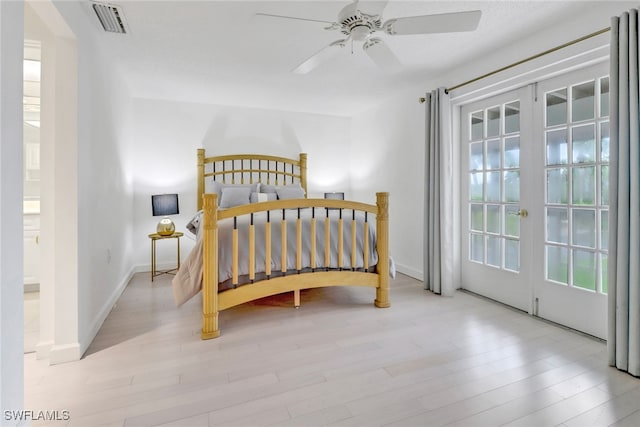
(111, 17)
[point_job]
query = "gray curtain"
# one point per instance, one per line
(623, 339)
(439, 245)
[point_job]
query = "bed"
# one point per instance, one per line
(259, 235)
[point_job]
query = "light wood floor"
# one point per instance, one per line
(426, 361)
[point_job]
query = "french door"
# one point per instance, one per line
(535, 190)
(497, 243)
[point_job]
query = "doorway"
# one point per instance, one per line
(31, 192)
(534, 189)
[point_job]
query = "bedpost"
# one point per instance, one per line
(200, 177)
(382, 247)
(303, 172)
(210, 268)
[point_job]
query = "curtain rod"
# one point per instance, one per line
(531, 58)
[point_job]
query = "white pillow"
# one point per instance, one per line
(234, 196)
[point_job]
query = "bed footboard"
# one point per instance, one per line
(319, 275)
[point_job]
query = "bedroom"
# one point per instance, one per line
(128, 143)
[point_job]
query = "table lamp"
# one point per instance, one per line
(164, 205)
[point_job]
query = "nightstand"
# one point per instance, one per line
(154, 238)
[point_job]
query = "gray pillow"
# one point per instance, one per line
(234, 196)
(262, 197)
(217, 187)
(267, 188)
(290, 192)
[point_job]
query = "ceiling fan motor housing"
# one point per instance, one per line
(357, 24)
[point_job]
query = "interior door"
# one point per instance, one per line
(496, 237)
(572, 145)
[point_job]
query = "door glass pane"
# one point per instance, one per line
(584, 185)
(494, 254)
(584, 144)
(583, 105)
(557, 225)
(493, 122)
(493, 154)
(604, 141)
(512, 255)
(512, 186)
(604, 230)
(557, 262)
(584, 269)
(512, 117)
(556, 110)
(604, 97)
(512, 220)
(512, 152)
(493, 219)
(583, 227)
(557, 147)
(493, 186)
(558, 185)
(476, 156)
(604, 182)
(477, 217)
(477, 123)
(475, 186)
(477, 248)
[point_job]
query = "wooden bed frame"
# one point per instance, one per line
(273, 170)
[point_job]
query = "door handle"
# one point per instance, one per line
(522, 212)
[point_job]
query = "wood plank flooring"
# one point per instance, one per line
(337, 361)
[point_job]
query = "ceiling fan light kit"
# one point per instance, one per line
(359, 27)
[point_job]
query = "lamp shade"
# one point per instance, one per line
(165, 204)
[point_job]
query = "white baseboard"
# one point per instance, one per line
(104, 312)
(64, 353)
(43, 349)
(409, 271)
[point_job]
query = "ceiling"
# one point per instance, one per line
(220, 52)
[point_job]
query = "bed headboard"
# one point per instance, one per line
(250, 168)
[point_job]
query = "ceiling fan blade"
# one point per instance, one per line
(294, 17)
(380, 53)
(372, 7)
(427, 24)
(319, 57)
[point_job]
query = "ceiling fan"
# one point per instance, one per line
(360, 27)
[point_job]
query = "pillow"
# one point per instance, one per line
(262, 197)
(266, 188)
(217, 187)
(290, 192)
(194, 225)
(234, 196)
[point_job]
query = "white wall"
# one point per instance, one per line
(387, 154)
(11, 279)
(103, 187)
(167, 134)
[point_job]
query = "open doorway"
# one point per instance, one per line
(31, 188)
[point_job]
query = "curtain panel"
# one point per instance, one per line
(440, 246)
(623, 339)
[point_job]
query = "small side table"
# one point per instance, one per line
(154, 238)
